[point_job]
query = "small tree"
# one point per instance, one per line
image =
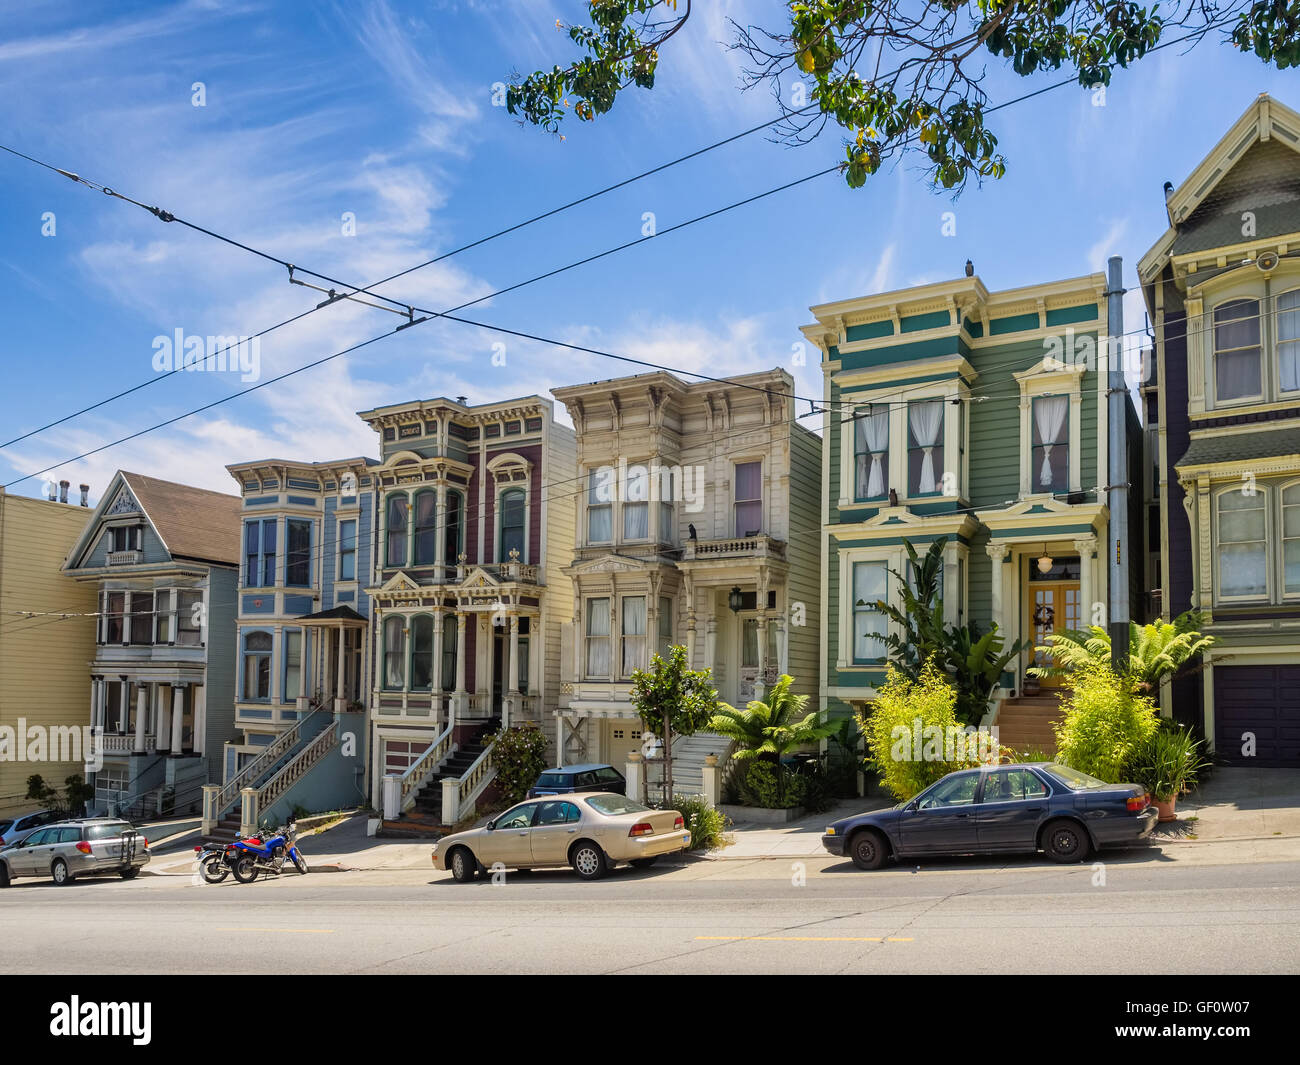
(1105, 723)
(76, 793)
(673, 700)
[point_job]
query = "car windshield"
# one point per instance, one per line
(551, 780)
(613, 805)
(106, 831)
(1073, 779)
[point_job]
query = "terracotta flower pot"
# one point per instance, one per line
(1166, 808)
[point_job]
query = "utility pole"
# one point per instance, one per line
(1117, 489)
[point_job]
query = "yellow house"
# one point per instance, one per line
(47, 638)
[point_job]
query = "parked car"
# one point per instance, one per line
(68, 849)
(14, 829)
(1003, 809)
(570, 778)
(590, 831)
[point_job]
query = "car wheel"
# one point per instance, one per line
(130, 874)
(644, 863)
(59, 870)
(463, 866)
(588, 860)
(1066, 841)
(867, 849)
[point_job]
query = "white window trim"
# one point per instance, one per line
(1270, 576)
(745, 460)
(1281, 490)
(339, 519)
(1046, 379)
(1267, 343)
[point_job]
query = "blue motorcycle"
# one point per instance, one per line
(258, 855)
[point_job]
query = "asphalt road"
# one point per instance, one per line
(1150, 915)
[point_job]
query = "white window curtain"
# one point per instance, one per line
(1049, 416)
(634, 621)
(1243, 552)
(1291, 540)
(926, 420)
(869, 624)
(597, 638)
(394, 654)
(871, 445)
(636, 521)
(1288, 340)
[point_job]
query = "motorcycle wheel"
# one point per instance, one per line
(246, 870)
(213, 869)
(300, 863)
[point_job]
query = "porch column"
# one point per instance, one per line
(124, 705)
(440, 548)
(513, 696)
(339, 679)
(200, 717)
(1087, 593)
(96, 702)
(688, 590)
(997, 554)
(435, 685)
(460, 697)
(164, 721)
(141, 714)
(178, 718)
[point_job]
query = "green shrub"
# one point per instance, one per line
(904, 710)
(707, 823)
(1105, 723)
(1168, 763)
(819, 789)
(519, 758)
(759, 785)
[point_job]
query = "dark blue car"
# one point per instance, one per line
(591, 777)
(1004, 809)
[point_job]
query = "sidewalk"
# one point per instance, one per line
(1238, 803)
(795, 839)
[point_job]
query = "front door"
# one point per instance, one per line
(1054, 606)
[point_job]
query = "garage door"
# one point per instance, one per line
(1263, 701)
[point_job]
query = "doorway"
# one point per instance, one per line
(1055, 605)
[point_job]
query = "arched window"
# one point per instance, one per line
(512, 525)
(454, 519)
(449, 643)
(396, 522)
(257, 665)
(394, 653)
(421, 653)
(426, 528)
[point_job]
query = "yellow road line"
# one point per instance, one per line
(809, 939)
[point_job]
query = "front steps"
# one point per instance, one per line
(1026, 723)
(424, 819)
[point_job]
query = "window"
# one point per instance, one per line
(394, 653)
(665, 625)
(268, 553)
(749, 644)
(869, 624)
(1243, 553)
(297, 561)
(257, 665)
(142, 617)
(633, 633)
(190, 618)
(449, 642)
(252, 553)
(598, 639)
(600, 507)
(125, 537)
(1013, 785)
(871, 452)
(667, 516)
(348, 550)
(292, 666)
(1237, 351)
(451, 533)
(259, 553)
(636, 505)
(749, 498)
(162, 614)
(952, 791)
(422, 653)
(519, 817)
(1291, 540)
(558, 813)
(426, 528)
(512, 525)
(396, 524)
(523, 656)
(1050, 471)
(925, 447)
(1288, 341)
(115, 620)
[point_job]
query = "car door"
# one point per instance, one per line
(1011, 809)
(941, 820)
(510, 840)
(22, 858)
(556, 828)
(611, 780)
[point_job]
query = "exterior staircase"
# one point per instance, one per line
(424, 819)
(1025, 723)
(689, 753)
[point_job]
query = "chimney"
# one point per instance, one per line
(53, 492)
(85, 495)
(463, 400)
(63, 490)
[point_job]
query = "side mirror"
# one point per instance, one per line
(491, 825)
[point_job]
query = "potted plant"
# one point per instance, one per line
(1168, 765)
(1030, 686)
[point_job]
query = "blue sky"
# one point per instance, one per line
(383, 109)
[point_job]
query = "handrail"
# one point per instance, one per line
(297, 767)
(475, 775)
(418, 772)
(270, 754)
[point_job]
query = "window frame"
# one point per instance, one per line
(1262, 343)
(855, 611)
(588, 636)
(737, 502)
(297, 558)
(247, 654)
(505, 491)
(1216, 516)
(390, 536)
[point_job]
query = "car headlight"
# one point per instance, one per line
(830, 831)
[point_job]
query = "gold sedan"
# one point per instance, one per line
(588, 830)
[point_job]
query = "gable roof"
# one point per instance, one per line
(191, 522)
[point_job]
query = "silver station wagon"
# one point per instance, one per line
(85, 847)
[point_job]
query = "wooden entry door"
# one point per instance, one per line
(1054, 606)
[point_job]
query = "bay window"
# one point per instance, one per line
(1288, 341)
(142, 617)
(426, 528)
(600, 507)
(422, 653)
(257, 666)
(633, 633)
(1237, 362)
(665, 625)
(452, 523)
(1291, 540)
(115, 617)
(395, 653)
(924, 447)
(297, 559)
(448, 650)
(636, 505)
(292, 666)
(189, 618)
(1242, 543)
(869, 624)
(598, 636)
(395, 518)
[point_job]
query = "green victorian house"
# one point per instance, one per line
(979, 417)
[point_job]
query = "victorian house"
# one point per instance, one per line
(474, 520)
(1222, 286)
(978, 417)
(697, 526)
(163, 559)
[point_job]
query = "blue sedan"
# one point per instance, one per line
(1009, 809)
